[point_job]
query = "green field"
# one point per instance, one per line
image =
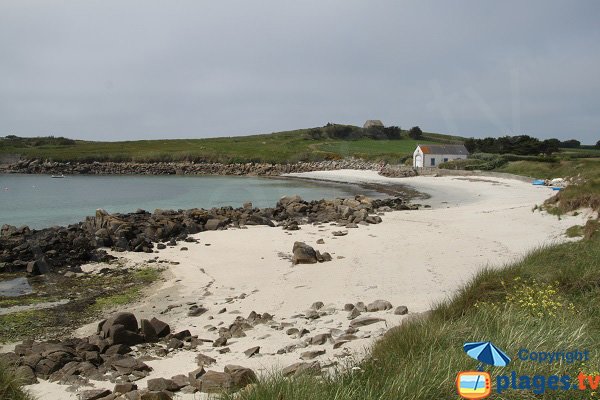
(281, 147)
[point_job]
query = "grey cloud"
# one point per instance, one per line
(136, 69)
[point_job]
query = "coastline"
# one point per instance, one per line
(413, 258)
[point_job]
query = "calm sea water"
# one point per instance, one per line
(41, 201)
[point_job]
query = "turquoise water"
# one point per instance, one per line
(41, 201)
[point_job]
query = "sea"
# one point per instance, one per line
(40, 201)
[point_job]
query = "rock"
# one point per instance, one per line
(401, 310)
(379, 305)
(325, 256)
(354, 313)
(26, 375)
(160, 384)
(287, 200)
(195, 375)
(94, 394)
(361, 306)
(297, 369)
(220, 342)
(320, 339)
(117, 349)
(156, 396)
(252, 351)
(214, 224)
(183, 335)
(148, 331)
(161, 246)
(125, 387)
(174, 344)
(204, 360)
(119, 335)
(38, 267)
(212, 382)
(339, 233)
(181, 380)
(126, 319)
(365, 321)
(309, 355)
(292, 331)
(348, 307)
(161, 328)
(303, 254)
(240, 376)
(317, 305)
(196, 311)
(320, 241)
(339, 343)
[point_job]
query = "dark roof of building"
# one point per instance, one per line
(444, 149)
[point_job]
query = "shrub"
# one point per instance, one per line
(415, 133)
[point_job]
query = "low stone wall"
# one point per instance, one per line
(182, 168)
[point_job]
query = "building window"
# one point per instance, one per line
(432, 161)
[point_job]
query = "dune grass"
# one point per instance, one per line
(10, 385)
(545, 302)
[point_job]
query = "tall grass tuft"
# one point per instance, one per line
(10, 385)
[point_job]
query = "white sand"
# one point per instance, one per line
(413, 258)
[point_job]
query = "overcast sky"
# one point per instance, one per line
(111, 70)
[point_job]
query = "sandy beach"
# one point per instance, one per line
(412, 259)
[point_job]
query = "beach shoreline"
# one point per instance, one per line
(413, 259)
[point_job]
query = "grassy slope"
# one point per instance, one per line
(278, 147)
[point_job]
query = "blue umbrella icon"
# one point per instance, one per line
(486, 353)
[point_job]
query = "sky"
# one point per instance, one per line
(126, 69)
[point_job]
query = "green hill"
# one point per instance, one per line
(312, 144)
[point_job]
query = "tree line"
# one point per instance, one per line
(520, 145)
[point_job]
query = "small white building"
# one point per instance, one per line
(432, 155)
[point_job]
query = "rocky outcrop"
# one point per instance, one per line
(41, 251)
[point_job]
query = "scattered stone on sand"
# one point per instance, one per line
(300, 368)
(354, 313)
(303, 254)
(364, 321)
(252, 351)
(309, 355)
(401, 310)
(379, 305)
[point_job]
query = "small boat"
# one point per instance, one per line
(57, 176)
(556, 188)
(538, 182)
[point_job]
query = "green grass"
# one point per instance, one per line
(280, 147)
(514, 307)
(10, 385)
(388, 150)
(587, 168)
(574, 231)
